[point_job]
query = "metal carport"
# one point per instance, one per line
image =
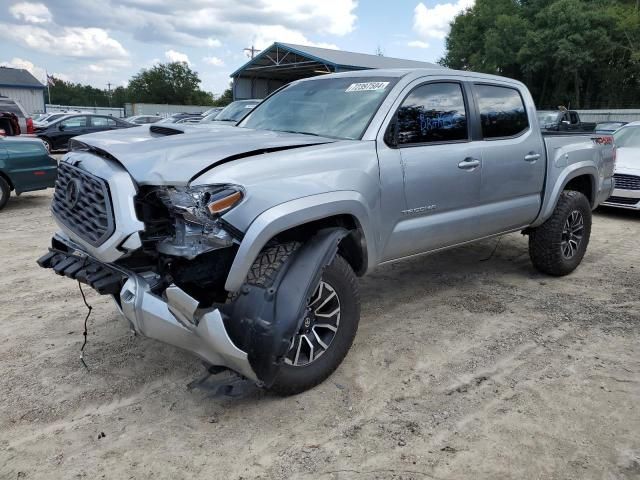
(282, 63)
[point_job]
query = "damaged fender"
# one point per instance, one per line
(268, 317)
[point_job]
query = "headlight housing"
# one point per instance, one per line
(202, 204)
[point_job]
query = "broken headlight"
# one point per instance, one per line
(196, 211)
(202, 204)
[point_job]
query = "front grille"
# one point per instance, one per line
(626, 182)
(623, 201)
(81, 202)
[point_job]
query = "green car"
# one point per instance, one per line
(25, 166)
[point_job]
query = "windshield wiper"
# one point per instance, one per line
(302, 133)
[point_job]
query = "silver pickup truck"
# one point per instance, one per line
(242, 245)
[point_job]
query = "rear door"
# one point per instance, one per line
(513, 157)
(441, 167)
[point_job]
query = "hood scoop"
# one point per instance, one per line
(165, 130)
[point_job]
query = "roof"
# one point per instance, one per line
(19, 78)
(333, 58)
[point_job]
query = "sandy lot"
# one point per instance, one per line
(462, 368)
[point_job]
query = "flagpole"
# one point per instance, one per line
(48, 89)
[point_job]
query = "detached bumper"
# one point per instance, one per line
(176, 320)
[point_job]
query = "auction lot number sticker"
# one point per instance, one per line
(367, 87)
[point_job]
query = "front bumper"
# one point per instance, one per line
(175, 319)
(629, 199)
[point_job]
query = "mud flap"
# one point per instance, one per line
(269, 317)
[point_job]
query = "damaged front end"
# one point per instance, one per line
(171, 288)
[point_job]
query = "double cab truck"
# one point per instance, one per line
(242, 245)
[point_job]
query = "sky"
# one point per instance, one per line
(100, 42)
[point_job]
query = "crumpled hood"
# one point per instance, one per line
(628, 158)
(156, 159)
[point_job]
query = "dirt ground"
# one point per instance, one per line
(463, 367)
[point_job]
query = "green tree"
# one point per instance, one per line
(171, 83)
(583, 53)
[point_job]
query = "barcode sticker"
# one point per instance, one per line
(367, 87)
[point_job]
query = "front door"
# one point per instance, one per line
(69, 128)
(442, 170)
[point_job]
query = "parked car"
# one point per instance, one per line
(212, 111)
(48, 118)
(177, 117)
(236, 111)
(609, 127)
(563, 121)
(9, 107)
(56, 135)
(242, 244)
(627, 173)
(25, 166)
(143, 119)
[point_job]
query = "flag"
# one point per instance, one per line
(50, 80)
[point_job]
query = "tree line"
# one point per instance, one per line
(577, 53)
(166, 83)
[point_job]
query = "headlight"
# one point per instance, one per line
(202, 204)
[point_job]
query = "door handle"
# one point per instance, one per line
(469, 164)
(532, 157)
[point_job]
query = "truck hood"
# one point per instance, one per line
(183, 152)
(628, 158)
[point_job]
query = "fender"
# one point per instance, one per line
(567, 174)
(292, 214)
(266, 319)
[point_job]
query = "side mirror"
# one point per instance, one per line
(61, 127)
(566, 122)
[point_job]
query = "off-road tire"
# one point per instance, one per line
(291, 379)
(5, 192)
(545, 241)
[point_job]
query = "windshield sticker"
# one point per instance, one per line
(367, 87)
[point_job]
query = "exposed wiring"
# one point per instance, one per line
(89, 307)
(493, 252)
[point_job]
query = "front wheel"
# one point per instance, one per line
(326, 334)
(5, 191)
(558, 245)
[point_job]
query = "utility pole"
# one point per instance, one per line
(109, 92)
(253, 50)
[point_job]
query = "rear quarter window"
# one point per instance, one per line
(502, 111)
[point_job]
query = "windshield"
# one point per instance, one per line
(235, 111)
(545, 118)
(328, 107)
(628, 137)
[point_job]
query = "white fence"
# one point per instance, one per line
(114, 112)
(164, 110)
(623, 115)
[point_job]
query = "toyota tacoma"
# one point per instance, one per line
(242, 245)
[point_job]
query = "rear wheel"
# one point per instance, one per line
(5, 191)
(328, 328)
(557, 246)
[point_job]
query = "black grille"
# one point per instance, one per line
(627, 182)
(623, 201)
(81, 202)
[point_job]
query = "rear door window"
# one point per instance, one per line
(103, 122)
(502, 111)
(433, 113)
(74, 122)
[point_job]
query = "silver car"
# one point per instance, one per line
(627, 174)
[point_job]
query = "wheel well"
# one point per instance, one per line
(8, 180)
(352, 248)
(582, 184)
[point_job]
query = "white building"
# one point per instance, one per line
(19, 85)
